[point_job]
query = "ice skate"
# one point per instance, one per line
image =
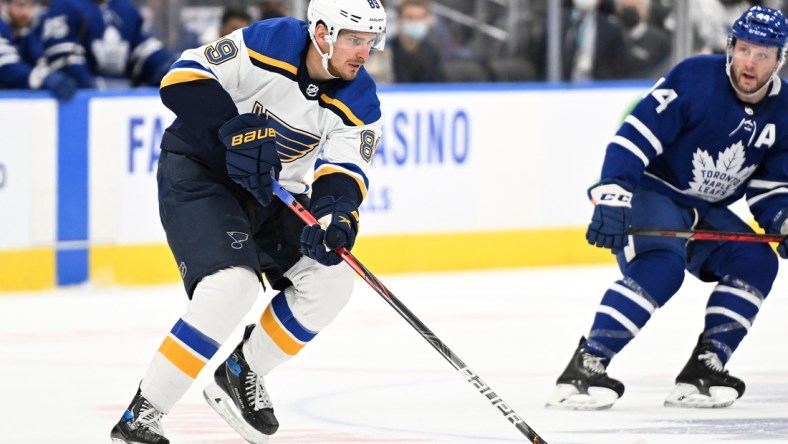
(704, 383)
(238, 395)
(585, 385)
(140, 424)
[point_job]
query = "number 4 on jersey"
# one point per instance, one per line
(662, 95)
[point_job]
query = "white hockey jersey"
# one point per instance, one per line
(322, 128)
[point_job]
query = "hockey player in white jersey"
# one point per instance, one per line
(713, 130)
(281, 99)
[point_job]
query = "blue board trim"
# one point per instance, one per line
(72, 191)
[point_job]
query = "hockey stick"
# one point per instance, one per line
(422, 329)
(707, 235)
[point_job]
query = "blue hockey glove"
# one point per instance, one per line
(252, 159)
(61, 85)
(780, 225)
(338, 227)
(609, 225)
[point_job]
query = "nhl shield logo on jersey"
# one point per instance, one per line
(238, 239)
(312, 90)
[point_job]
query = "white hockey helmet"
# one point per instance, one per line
(355, 15)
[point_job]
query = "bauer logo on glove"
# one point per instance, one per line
(252, 158)
(252, 136)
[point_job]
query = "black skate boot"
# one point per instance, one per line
(239, 396)
(585, 385)
(140, 424)
(704, 382)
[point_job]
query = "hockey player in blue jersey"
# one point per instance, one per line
(282, 99)
(101, 43)
(21, 63)
(707, 134)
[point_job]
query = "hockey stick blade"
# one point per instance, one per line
(419, 326)
(707, 235)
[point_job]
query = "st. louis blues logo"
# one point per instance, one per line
(238, 239)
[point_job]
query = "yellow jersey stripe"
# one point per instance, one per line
(183, 76)
(273, 62)
(342, 107)
(324, 170)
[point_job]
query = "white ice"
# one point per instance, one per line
(72, 358)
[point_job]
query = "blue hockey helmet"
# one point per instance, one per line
(762, 26)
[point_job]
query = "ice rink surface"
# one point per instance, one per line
(72, 358)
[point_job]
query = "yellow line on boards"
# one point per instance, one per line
(31, 269)
(151, 264)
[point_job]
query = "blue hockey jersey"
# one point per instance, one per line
(89, 39)
(21, 65)
(693, 140)
(13, 70)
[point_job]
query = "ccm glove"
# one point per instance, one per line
(252, 160)
(780, 225)
(609, 225)
(338, 227)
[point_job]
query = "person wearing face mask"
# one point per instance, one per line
(414, 57)
(648, 47)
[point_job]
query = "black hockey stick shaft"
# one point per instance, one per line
(707, 235)
(419, 326)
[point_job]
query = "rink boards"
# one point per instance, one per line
(467, 177)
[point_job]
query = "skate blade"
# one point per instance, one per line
(224, 406)
(567, 397)
(687, 395)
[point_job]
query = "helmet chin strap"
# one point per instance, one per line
(325, 57)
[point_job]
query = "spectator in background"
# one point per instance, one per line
(232, 19)
(414, 57)
(21, 62)
(659, 14)
(594, 47)
(102, 44)
(711, 20)
(273, 9)
(648, 47)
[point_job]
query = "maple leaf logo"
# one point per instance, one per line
(111, 52)
(714, 181)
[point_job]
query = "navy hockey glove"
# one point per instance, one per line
(609, 225)
(338, 227)
(252, 160)
(61, 85)
(780, 225)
